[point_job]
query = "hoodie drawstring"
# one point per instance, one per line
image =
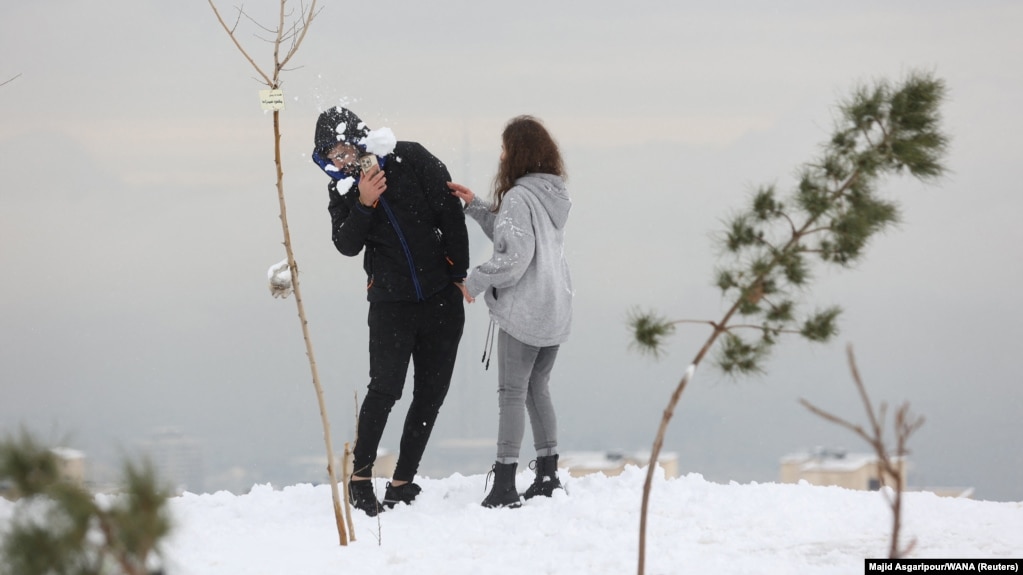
(488, 346)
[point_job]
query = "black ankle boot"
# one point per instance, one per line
(361, 496)
(405, 493)
(546, 480)
(503, 493)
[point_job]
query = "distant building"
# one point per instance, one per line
(825, 466)
(612, 463)
(861, 471)
(70, 468)
(71, 465)
(177, 459)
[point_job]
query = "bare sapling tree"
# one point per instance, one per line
(346, 474)
(58, 526)
(891, 465)
(286, 39)
(831, 216)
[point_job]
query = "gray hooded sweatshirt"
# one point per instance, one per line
(527, 283)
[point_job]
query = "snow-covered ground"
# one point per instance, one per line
(695, 527)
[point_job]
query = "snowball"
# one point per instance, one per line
(279, 275)
(380, 142)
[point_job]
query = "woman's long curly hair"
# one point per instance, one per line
(528, 149)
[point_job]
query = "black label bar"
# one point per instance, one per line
(942, 566)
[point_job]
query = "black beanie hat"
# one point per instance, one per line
(338, 125)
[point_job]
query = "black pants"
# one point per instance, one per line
(428, 333)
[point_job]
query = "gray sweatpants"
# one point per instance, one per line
(523, 375)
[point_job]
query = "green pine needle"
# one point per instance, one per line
(649, 331)
(821, 326)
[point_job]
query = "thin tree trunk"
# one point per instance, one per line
(338, 514)
(296, 33)
(655, 451)
(344, 484)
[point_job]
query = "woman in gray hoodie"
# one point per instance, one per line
(528, 289)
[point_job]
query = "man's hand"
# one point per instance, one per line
(371, 186)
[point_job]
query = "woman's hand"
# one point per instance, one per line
(461, 192)
(465, 292)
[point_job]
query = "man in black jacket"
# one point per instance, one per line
(413, 232)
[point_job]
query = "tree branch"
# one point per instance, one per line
(8, 81)
(761, 328)
(312, 12)
(888, 468)
(230, 32)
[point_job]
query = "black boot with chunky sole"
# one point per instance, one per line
(404, 493)
(546, 480)
(361, 496)
(503, 493)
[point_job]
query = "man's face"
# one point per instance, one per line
(345, 158)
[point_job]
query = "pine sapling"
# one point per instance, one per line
(829, 218)
(60, 527)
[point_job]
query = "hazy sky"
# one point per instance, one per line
(138, 217)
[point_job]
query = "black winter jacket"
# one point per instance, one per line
(415, 238)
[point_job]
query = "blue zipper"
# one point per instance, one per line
(404, 246)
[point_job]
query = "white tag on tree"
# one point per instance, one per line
(271, 100)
